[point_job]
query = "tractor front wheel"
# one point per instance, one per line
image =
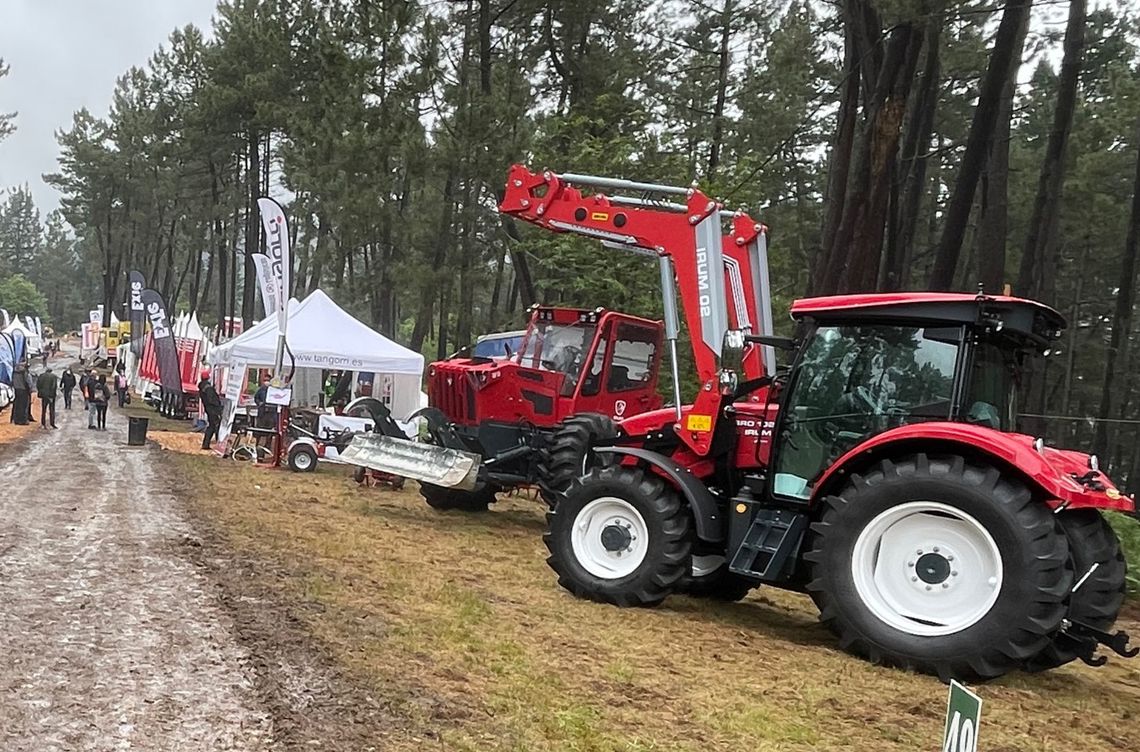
(619, 536)
(939, 565)
(1099, 573)
(442, 498)
(567, 457)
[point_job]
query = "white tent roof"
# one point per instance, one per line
(321, 335)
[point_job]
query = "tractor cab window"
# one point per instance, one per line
(854, 382)
(634, 351)
(560, 348)
(994, 377)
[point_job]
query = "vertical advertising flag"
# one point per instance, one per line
(138, 313)
(266, 284)
(165, 348)
(277, 249)
(39, 327)
(7, 319)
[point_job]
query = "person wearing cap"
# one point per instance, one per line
(46, 386)
(212, 404)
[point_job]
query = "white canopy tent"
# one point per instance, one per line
(322, 335)
(34, 344)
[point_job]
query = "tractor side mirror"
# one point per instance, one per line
(732, 350)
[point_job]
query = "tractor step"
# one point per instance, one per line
(768, 540)
(440, 466)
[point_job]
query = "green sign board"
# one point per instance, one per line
(963, 711)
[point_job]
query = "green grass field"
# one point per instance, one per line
(456, 624)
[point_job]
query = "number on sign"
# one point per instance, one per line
(960, 737)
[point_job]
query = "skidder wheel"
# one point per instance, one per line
(302, 458)
(1099, 595)
(441, 498)
(709, 578)
(567, 456)
(938, 565)
(619, 536)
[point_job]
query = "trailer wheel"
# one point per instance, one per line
(302, 458)
(709, 578)
(1099, 591)
(619, 536)
(941, 566)
(567, 456)
(443, 499)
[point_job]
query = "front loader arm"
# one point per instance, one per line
(687, 237)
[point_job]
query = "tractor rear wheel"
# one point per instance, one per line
(567, 457)
(939, 565)
(709, 578)
(619, 536)
(442, 498)
(1099, 591)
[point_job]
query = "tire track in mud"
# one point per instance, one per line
(112, 638)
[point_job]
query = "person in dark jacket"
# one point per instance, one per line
(67, 384)
(99, 397)
(22, 404)
(46, 386)
(212, 403)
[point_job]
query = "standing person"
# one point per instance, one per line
(212, 403)
(100, 396)
(266, 413)
(89, 400)
(46, 386)
(67, 383)
(121, 384)
(22, 385)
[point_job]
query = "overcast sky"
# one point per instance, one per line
(64, 55)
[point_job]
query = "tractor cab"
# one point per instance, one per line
(872, 363)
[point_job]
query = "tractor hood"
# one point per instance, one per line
(1064, 477)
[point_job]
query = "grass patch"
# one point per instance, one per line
(457, 624)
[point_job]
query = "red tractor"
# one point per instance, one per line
(600, 366)
(880, 471)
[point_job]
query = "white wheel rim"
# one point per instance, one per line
(598, 531)
(927, 568)
(303, 460)
(703, 566)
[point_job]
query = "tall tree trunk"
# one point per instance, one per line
(1035, 277)
(252, 227)
(857, 247)
(723, 58)
(1121, 319)
(911, 170)
(985, 115)
(993, 203)
(839, 162)
(423, 319)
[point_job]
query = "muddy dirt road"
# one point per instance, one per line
(112, 638)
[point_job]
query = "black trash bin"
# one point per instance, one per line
(136, 431)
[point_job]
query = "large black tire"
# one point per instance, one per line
(1098, 599)
(443, 499)
(1034, 554)
(666, 549)
(567, 456)
(718, 585)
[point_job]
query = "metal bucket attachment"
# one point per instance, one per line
(451, 468)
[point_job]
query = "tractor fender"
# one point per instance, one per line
(707, 517)
(1053, 473)
(303, 440)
